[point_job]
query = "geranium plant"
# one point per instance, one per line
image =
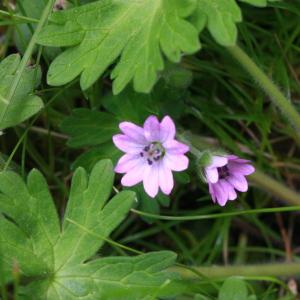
(149, 149)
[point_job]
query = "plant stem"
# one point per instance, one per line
(47, 10)
(276, 269)
(276, 188)
(218, 214)
(26, 19)
(278, 98)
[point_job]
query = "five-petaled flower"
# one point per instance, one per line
(225, 174)
(152, 153)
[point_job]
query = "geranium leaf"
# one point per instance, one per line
(34, 217)
(88, 127)
(22, 104)
(55, 260)
(137, 32)
(260, 3)
(220, 17)
(233, 288)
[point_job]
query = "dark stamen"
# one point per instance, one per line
(150, 162)
(147, 148)
(223, 172)
(142, 154)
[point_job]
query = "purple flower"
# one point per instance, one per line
(152, 153)
(226, 174)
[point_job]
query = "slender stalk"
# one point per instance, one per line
(275, 269)
(26, 57)
(23, 18)
(217, 215)
(278, 98)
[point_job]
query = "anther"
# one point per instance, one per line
(150, 162)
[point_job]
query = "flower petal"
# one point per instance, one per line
(212, 192)
(239, 182)
(175, 147)
(127, 162)
(134, 132)
(237, 159)
(152, 129)
(232, 195)
(176, 162)
(240, 168)
(134, 176)
(218, 161)
(150, 180)
(167, 129)
(220, 193)
(165, 178)
(126, 144)
(212, 175)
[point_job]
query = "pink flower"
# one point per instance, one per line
(226, 174)
(152, 153)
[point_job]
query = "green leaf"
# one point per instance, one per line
(88, 127)
(233, 288)
(88, 159)
(260, 3)
(130, 106)
(34, 217)
(94, 128)
(23, 32)
(136, 32)
(22, 104)
(55, 260)
(220, 17)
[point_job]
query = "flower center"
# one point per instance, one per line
(223, 172)
(154, 152)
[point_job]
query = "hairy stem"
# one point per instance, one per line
(276, 188)
(278, 98)
(276, 269)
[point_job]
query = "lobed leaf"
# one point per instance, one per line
(56, 262)
(87, 127)
(22, 104)
(134, 34)
(233, 288)
(32, 209)
(220, 18)
(137, 32)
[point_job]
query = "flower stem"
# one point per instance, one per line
(278, 98)
(216, 215)
(275, 269)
